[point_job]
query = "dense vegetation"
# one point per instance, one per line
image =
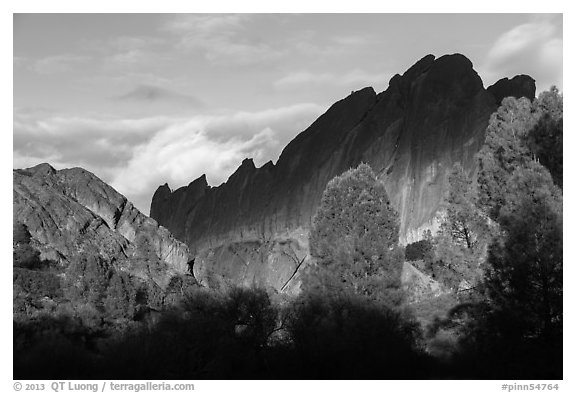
(503, 235)
(497, 257)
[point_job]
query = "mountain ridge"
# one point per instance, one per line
(430, 117)
(71, 211)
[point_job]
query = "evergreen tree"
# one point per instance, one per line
(87, 278)
(519, 193)
(120, 296)
(550, 102)
(519, 133)
(520, 317)
(503, 152)
(545, 139)
(354, 239)
(461, 241)
(464, 223)
(525, 278)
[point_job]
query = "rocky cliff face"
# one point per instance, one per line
(254, 227)
(519, 86)
(70, 213)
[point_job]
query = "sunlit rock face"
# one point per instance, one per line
(71, 212)
(253, 228)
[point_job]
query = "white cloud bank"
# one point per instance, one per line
(137, 155)
(535, 48)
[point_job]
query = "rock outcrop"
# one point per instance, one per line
(71, 213)
(253, 229)
(519, 86)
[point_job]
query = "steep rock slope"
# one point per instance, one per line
(254, 227)
(71, 213)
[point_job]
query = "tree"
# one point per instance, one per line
(520, 195)
(518, 323)
(461, 241)
(352, 338)
(120, 296)
(24, 255)
(464, 223)
(550, 102)
(515, 329)
(87, 278)
(525, 275)
(420, 250)
(253, 315)
(545, 138)
(524, 281)
(354, 239)
(504, 150)
(520, 132)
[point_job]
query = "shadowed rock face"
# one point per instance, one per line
(72, 212)
(254, 227)
(519, 86)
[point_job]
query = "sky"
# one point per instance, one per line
(146, 99)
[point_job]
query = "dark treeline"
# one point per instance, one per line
(237, 335)
(497, 256)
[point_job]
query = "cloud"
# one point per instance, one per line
(211, 145)
(221, 38)
(100, 145)
(533, 48)
(133, 59)
(137, 155)
(206, 24)
(129, 57)
(58, 64)
(356, 78)
(144, 78)
(285, 121)
(311, 43)
(18, 61)
(153, 94)
(354, 40)
(179, 155)
(128, 43)
(125, 52)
